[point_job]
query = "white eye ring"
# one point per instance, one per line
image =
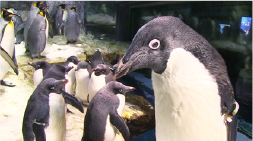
(154, 44)
(52, 88)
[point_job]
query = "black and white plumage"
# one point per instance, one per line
(103, 114)
(7, 40)
(59, 18)
(194, 98)
(41, 68)
(100, 76)
(72, 61)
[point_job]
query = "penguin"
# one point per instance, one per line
(45, 113)
(82, 73)
(189, 77)
(96, 59)
(100, 75)
(19, 27)
(102, 118)
(7, 40)
(59, 72)
(35, 8)
(37, 34)
(72, 61)
(72, 25)
(41, 68)
(60, 17)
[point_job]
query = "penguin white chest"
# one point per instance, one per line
(121, 103)
(71, 77)
(37, 76)
(95, 84)
(56, 131)
(8, 38)
(82, 84)
(110, 130)
(187, 103)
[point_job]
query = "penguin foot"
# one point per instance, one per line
(85, 104)
(7, 84)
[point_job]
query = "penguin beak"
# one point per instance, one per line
(122, 69)
(94, 69)
(12, 15)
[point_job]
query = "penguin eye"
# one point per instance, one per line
(120, 90)
(39, 66)
(52, 88)
(154, 44)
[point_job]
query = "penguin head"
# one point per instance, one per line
(73, 9)
(63, 6)
(101, 69)
(42, 12)
(83, 65)
(72, 59)
(40, 5)
(39, 64)
(7, 14)
(151, 46)
(119, 88)
(51, 85)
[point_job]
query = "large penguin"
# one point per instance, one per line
(82, 73)
(41, 68)
(35, 8)
(101, 75)
(37, 34)
(7, 39)
(194, 99)
(72, 25)
(102, 116)
(72, 61)
(19, 27)
(60, 17)
(45, 114)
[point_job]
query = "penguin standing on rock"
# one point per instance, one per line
(41, 68)
(7, 40)
(37, 34)
(100, 76)
(45, 114)
(72, 25)
(102, 118)
(83, 73)
(190, 81)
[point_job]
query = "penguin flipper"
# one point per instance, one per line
(69, 99)
(39, 132)
(117, 121)
(12, 61)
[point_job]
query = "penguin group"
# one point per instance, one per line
(194, 98)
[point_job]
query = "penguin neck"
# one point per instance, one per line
(187, 96)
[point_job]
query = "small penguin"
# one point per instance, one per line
(41, 68)
(35, 8)
(83, 73)
(101, 75)
(60, 17)
(72, 61)
(96, 59)
(190, 81)
(59, 72)
(45, 114)
(37, 34)
(7, 40)
(102, 118)
(72, 25)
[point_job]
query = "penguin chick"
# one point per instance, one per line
(7, 38)
(82, 73)
(99, 77)
(45, 113)
(188, 76)
(102, 118)
(41, 68)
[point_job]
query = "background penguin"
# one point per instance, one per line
(60, 17)
(83, 73)
(101, 75)
(37, 34)
(102, 116)
(191, 85)
(7, 39)
(35, 8)
(59, 72)
(41, 68)
(96, 59)
(72, 25)
(44, 117)
(19, 27)
(72, 61)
